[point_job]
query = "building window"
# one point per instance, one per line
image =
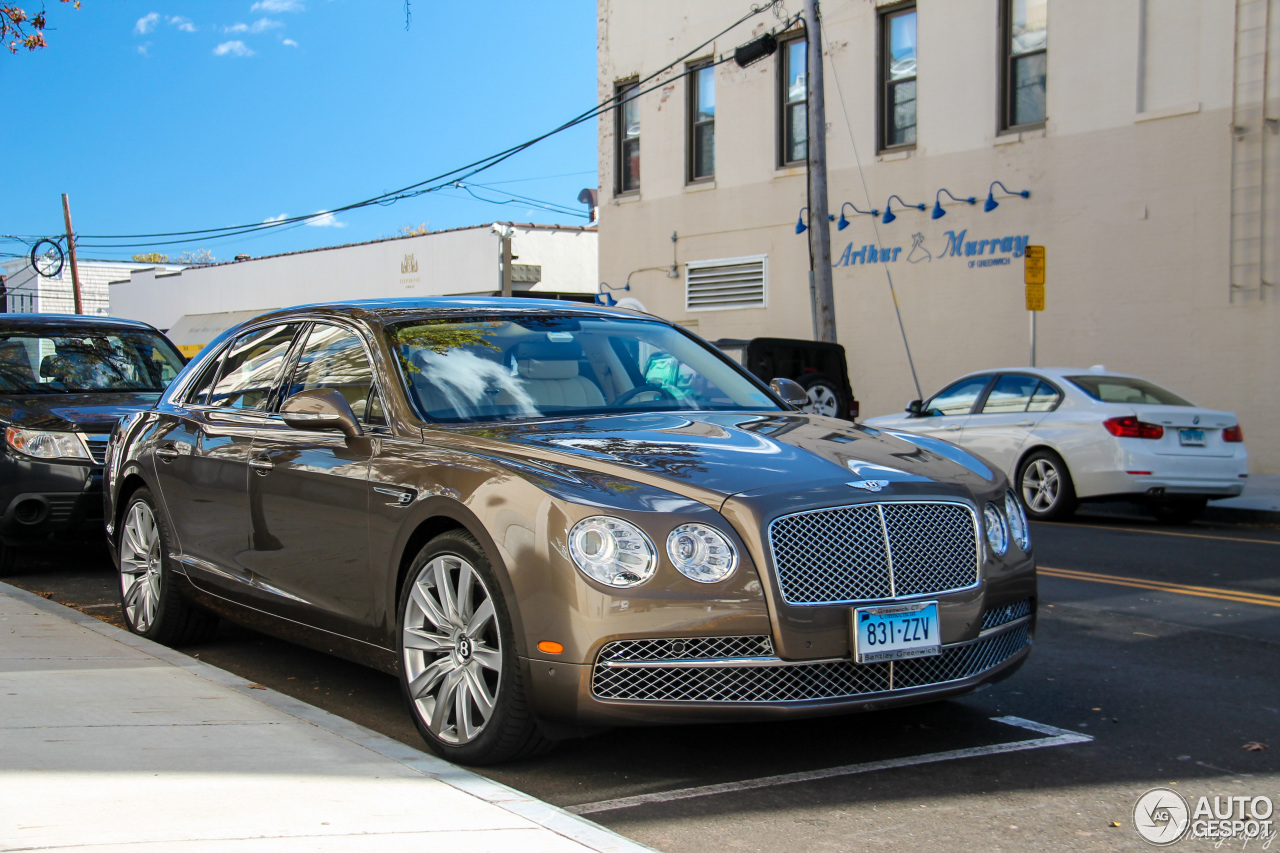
(793, 103)
(702, 122)
(725, 283)
(628, 135)
(898, 78)
(1024, 40)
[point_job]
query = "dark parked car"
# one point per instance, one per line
(821, 369)
(64, 382)
(546, 517)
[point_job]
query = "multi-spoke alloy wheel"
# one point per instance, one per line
(452, 649)
(1045, 486)
(458, 665)
(152, 606)
(140, 567)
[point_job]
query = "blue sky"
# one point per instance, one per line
(175, 116)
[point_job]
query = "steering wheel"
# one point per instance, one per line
(627, 396)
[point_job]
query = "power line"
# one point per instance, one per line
(429, 185)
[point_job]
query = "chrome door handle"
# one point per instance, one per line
(261, 466)
(951, 428)
(168, 454)
(1026, 424)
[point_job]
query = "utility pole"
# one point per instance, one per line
(506, 262)
(819, 222)
(71, 250)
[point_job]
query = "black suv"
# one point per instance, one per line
(64, 382)
(820, 368)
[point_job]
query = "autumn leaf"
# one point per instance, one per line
(1254, 746)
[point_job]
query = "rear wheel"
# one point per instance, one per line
(1178, 511)
(1045, 486)
(152, 606)
(824, 397)
(458, 665)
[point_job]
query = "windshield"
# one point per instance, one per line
(72, 362)
(551, 366)
(1126, 389)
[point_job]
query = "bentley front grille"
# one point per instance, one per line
(875, 551)
(618, 675)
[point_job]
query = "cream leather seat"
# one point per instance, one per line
(557, 384)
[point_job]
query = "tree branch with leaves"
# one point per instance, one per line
(18, 29)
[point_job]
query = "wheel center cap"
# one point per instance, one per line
(464, 647)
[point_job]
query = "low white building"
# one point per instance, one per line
(197, 303)
(31, 293)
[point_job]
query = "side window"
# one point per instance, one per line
(1024, 67)
(627, 128)
(957, 399)
(333, 358)
(251, 367)
(702, 122)
(1045, 399)
(793, 103)
(898, 78)
(1012, 393)
(198, 395)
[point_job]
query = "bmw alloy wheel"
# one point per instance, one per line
(140, 562)
(452, 649)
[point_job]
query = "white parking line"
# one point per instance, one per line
(1055, 737)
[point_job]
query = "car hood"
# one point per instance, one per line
(72, 412)
(722, 454)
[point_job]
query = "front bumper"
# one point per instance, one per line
(722, 679)
(41, 499)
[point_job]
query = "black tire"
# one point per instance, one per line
(1045, 487)
(8, 561)
(481, 661)
(1178, 511)
(149, 600)
(825, 397)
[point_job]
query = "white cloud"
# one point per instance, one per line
(232, 48)
(183, 24)
(281, 218)
(147, 23)
(325, 220)
(277, 6)
(259, 26)
(289, 43)
(142, 48)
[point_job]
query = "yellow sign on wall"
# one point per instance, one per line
(1035, 297)
(1034, 269)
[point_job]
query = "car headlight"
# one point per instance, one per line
(701, 553)
(612, 551)
(997, 531)
(1018, 527)
(46, 445)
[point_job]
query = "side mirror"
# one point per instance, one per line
(321, 408)
(790, 392)
(915, 408)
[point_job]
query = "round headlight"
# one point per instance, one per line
(46, 445)
(1018, 526)
(612, 551)
(997, 531)
(701, 553)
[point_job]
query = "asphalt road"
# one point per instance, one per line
(1159, 645)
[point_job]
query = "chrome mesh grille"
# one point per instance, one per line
(998, 616)
(688, 648)
(874, 551)
(959, 662)
(799, 682)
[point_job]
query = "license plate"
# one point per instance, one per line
(896, 632)
(1191, 437)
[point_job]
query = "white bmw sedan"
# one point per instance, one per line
(1064, 435)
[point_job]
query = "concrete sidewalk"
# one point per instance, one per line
(111, 742)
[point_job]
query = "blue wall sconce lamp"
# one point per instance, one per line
(802, 226)
(844, 221)
(606, 298)
(991, 203)
(888, 212)
(938, 212)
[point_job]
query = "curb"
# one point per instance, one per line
(549, 817)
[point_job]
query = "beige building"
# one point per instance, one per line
(1145, 133)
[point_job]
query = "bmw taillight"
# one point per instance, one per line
(1233, 433)
(1130, 427)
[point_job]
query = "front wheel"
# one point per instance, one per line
(458, 665)
(1045, 486)
(152, 606)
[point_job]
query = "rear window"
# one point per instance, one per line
(1128, 390)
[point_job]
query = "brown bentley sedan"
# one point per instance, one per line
(546, 518)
